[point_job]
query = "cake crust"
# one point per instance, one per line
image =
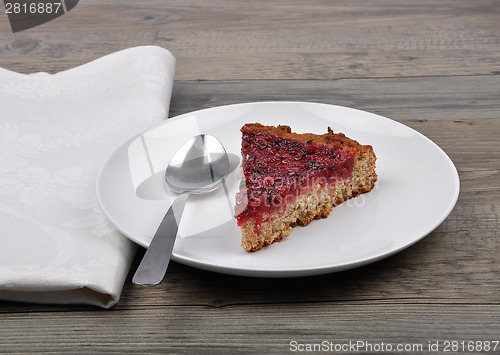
(335, 140)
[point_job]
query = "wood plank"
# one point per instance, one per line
(261, 329)
(276, 39)
(402, 99)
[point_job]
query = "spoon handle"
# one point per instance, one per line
(153, 266)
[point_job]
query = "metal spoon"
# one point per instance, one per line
(199, 166)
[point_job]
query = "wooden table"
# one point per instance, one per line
(432, 65)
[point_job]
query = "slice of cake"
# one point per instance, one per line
(291, 179)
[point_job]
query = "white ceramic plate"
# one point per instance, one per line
(417, 189)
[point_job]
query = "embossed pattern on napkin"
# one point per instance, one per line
(56, 245)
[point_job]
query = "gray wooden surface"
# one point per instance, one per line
(433, 65)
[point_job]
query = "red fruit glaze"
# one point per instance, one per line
(277, 170)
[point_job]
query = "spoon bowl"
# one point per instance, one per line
(199, 166)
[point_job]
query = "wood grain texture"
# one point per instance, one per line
(277, 39)
(230, 330)
(432, 65)
(401, 99)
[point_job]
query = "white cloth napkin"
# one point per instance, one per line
(56, 246)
